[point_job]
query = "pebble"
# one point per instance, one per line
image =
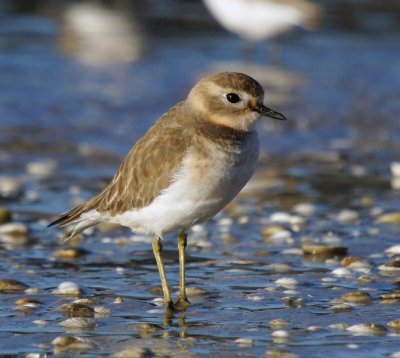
(293, 302)
(280, 217)
(79, 323)
(77, 310)
(341, 307)
(324, 251)
(5, 216)
(119, 300)
(72, 342)
(339, 326)
(195, 291)
(102, 311)
(279, 353)
(41, 168)
(68, 288)
(244, 341)
(351, 261)
(14, 233)
(13, 229)
(286, 282)
(10, 188)
(40, 322)
(28, 302)
(148, 327)
(367, 329)
(347, 216)
(278, 322)
(395, 169)
(85, 301)
(357, 297)
(390, 296)
(389, 218)
(11, 286)
(393, 250)
(305, 209)
(395, 324)
(342, 272)
(135, 352)
(392, 266)
(280, 334)
(70, 253)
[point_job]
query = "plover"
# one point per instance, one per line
(191, 163)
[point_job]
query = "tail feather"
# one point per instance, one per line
(68, 217)
(74, 216)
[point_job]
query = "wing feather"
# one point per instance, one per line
(148, 168)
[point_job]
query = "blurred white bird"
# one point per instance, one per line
(256, 20)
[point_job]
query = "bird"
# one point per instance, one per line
(187, 167)
(256, 20)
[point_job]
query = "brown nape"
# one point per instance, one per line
(237, 81)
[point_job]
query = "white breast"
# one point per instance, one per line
(203, 186)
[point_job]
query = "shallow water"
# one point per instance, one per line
(340, 91)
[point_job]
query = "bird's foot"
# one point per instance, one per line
(182, 303)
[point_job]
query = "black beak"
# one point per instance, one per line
(268, 112)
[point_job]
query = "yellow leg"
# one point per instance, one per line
(157, 250)
(182, 301)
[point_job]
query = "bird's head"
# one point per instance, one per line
(231, 99)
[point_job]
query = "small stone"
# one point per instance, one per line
(293, 302)
(287, 282)
(280, 217)
(367, 329)
(195, 291)
(278, 322)
(339, 326)
(70, 253)
(5, 216)
(102, 311)
(41, 168)
(244, 341)
(77, 310)
(279, 353)
(351, 261)
(342, 272)
(148, 327)
(85, 301)
(40, 322)
(390, 296)
(341, 307)
(14, 233)
(348, 216)
(393, 251)
(271, 230)
(10, 188)
(135, 352)
(280, 334)
(13, 229)
(68, 288)
(358, 297)
(11, 286)
(324, 251)
(389, 218)
(119, 300)
(392, 266)
(79, 323)
(28, 302)
(395, 324)
(305, 209)
(71, 342)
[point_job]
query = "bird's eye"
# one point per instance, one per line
(233, 98)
